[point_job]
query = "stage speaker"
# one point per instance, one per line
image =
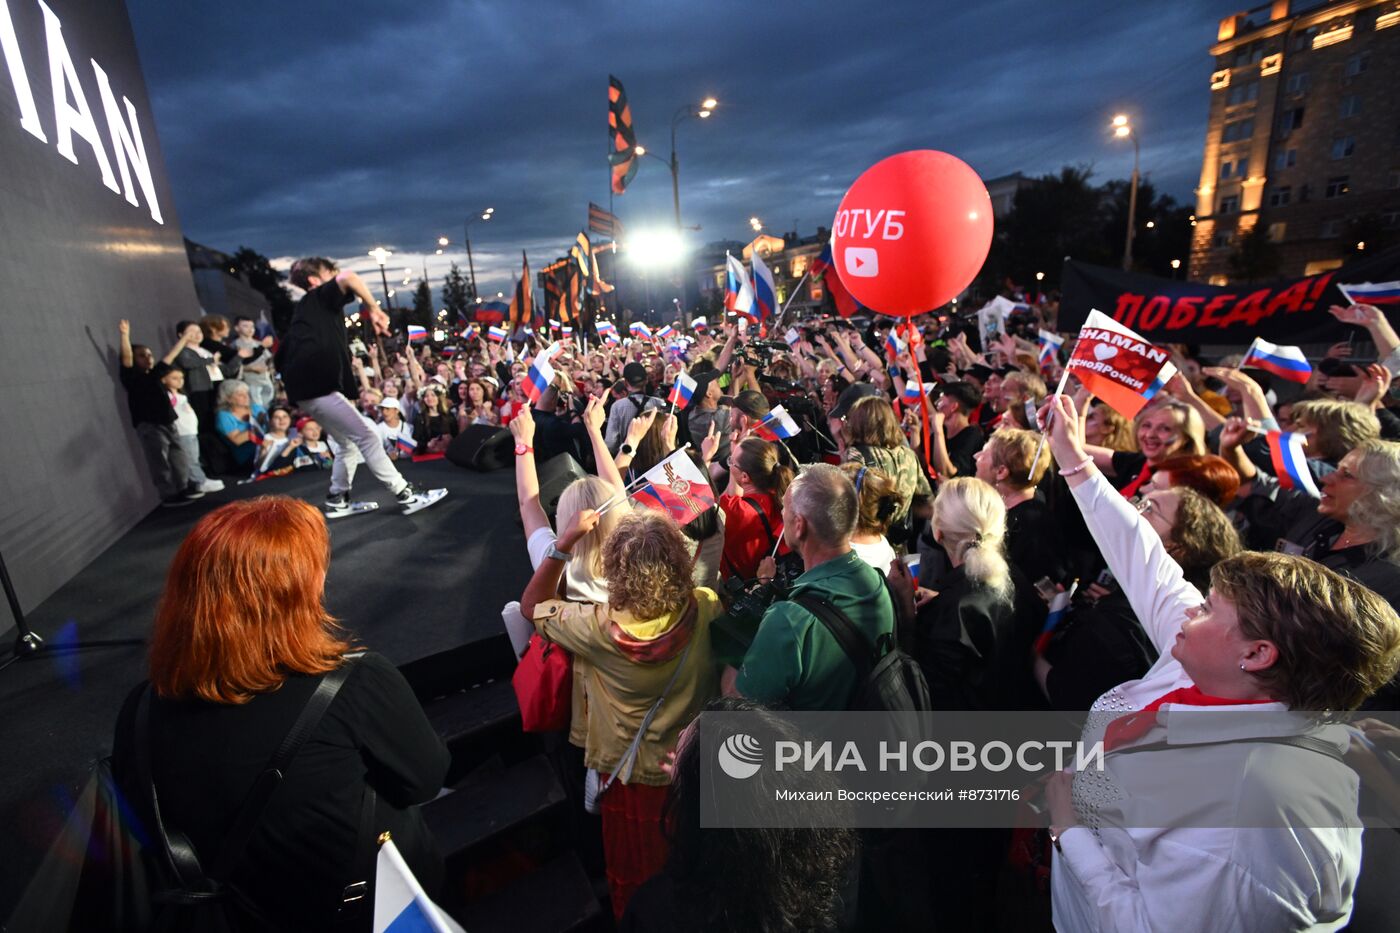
(556, 474)
(482, 447)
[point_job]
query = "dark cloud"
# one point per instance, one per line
(330, 127)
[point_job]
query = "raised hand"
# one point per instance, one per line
(709, 446)
(593, 414)
(1374, 385)
(124, 327)
(522, 427)
(583, 522)
(1361, 315)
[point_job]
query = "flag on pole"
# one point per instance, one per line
(607, 330)
(738, 294)
(1059, 607)
(538, 378)
(522, 306)
(1050, 344)
(664, 331)
(639, 329)
(1117, 365)
(599, 286)
(1285, 362)
(417, 334)
(777, 426)
(682, 391)
(894, 347)
(824, 274)
(913, 393)
(676, 486)
(1290, 463)
(765, 293)
(400, 903)
(604, 223)
(469, 333)
(406, 445)
(582, 253)
(1371, 293)
(622, 140)
(699, 323)
(497, 334)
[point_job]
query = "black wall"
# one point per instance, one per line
(75, 257)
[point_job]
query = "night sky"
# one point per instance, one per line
(340, 126)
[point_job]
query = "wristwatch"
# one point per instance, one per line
(557, 554)
(625, 449)
(521, 450)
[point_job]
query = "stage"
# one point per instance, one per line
(408, 587)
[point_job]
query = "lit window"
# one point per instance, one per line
(1276, 232)
(1338, 186)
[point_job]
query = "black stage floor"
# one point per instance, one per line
(406, 586)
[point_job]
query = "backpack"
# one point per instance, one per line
(887, 678)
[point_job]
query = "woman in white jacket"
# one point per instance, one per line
(1277, 634)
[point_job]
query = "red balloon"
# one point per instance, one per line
(912, 232)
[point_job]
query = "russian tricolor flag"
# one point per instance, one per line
(469, 333)
(913, 393)
(665, 331)
(1050, 344)
(738, 293)
(699, 323)
(682, 391)
(406, 445)
(400, 903)
(417, 334)
(497, 334)
(538, 378)
(639, 329)
(777, 425)
(1372, 293)
(1290, 463)
(1285, 362)
(1059, 607)
(765, 293)
(893, 346)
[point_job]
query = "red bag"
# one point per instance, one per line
(544, 685)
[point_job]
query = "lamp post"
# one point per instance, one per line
(381, 255)
(1122, 128)
(701, 111)
(467, 235)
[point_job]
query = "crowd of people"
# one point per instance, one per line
(1195, 577)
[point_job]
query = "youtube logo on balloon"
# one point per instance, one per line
(862, 261)
(927, 215)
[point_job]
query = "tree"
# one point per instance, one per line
(454, 295)
(1255, 258)
(259, 273)
(423, 304)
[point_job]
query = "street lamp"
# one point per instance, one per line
(467, 235)
(381, 255)
(1176, 264)
(756, 224)
(686, 112)
(1122, 128)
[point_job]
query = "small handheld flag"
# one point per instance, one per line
(1285, 362)
(738, 293)
(1372, 293)
(538, 378)
(699, 323)
(792, 338)
(1059, 607)
(913, 393)
(1290, 463)
(1117, 365)
(893, 346)
(682, 391)
(406, 445)
(778, 425)
(417, 334)
(638, 329)
(497, 334)
(400, 903)
(666, 330)
(1050, 344)
(676, 485)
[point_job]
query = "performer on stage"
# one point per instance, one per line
(314, 360)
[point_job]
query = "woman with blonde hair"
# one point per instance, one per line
(1163, 429)
(973, 636)
(241, 644)
(649, 672)
(1104, 427)
(1009, 465)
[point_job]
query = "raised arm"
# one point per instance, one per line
(127, 357)
(351, 283)
(1371, 318)
(727, 353)
(1252, 402)
(593, 417)
(527, 481)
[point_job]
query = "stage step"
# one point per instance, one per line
(556, 898)
(473, 663)
(491, 801)
(477, 723)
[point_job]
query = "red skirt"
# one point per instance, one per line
(633, 844)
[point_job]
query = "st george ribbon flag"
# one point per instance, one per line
(676, 486)
(400, 903)
(1117, 365)
(1285, 362)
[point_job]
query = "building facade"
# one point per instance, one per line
(1303, 140)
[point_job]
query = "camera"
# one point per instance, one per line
(748, 600)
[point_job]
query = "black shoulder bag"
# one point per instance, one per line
(185, 893)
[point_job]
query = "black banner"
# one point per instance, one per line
(1291, 311)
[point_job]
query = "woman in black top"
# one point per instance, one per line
(1163, 429)
(435, 427)
(1034, 544)
(241, 641)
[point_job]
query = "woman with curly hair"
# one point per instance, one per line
(650, 671)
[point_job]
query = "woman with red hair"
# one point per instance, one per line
(241, 642)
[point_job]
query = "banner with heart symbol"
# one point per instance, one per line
(1117, 365)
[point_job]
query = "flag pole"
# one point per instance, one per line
(787, 304)
(1050, 413)
(616, 498)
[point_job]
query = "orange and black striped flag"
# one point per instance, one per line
(552, 280)
(604, 223)
(522, 309)
(573, 293)
(582, 253)
(622, 141)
